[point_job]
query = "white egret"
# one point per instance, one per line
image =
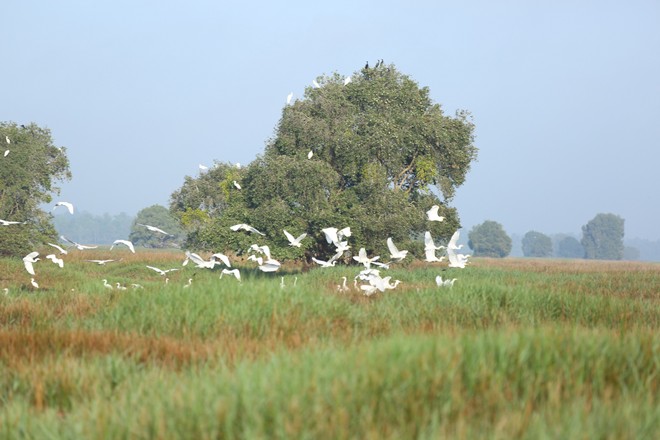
(342, 287)
(237, 185)
(153, 229)
(289, 98)
(453, 240)
(29, 260)
(310, 154)
(8, 222)
(6, 153)
(80, 247)
(7, 139)
(383, 265)
(34, 283)
(125, 243)
(347, 80)
(261, 249)
(316, 84)
(433, 214)
(54, 259)
(100, 262)
(444, 283)
(222, 257)
(189, 283)
(322, 263)
(68, 206)
(136, 286)
(6, 290)
(430, 248)
(200, 262)
(258, 260)
(363, 259)
(203, 168)
(269, 266)
(395, 254)
(294, 241)
(161, 271)
(282, 283)
(120, 287)
(245, 227)
(234, 272)
(59, 248)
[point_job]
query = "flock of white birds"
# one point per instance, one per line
(368, 280)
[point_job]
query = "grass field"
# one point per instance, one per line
(516, 349)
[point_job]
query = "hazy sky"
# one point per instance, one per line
(565, 95)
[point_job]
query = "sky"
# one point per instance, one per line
(565, 95)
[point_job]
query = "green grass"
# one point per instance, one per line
(517, 349)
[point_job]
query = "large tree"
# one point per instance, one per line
(29, 172)
(159, 217)
(536, 244)
(489, 240)
(602, 237)
(382, 153)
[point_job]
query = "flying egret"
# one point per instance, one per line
(100, 262)
(161, 271)
(363, 259)
(395, 254)
(457, 260)
(125, 243)
(80, 247)
(289, 98)
(222, 258)
(245, 228)
(34, 283)
(59, 248)
(310, 154)
(334, 235)
(234, 272)
(153, 229)
(200, 262)
(453, 240)
(6, 153)
(322, 263)
(294, 241)
(68, 206)
(237, 185)
(270, 266)
(29, 260)
(54, 259)
(8, 222)
(433, 214)
(258, 260)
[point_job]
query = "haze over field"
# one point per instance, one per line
(565, 97)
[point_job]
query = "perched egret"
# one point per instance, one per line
(153, 229)
(7, 139)
(294, 241)
(54, 259)
(125, 243)
(342, 287)
(433, 214)
(310, 154)
(236, 184)
(289, 98)
(68, 206)
(395, 254)
(189, 283)
(347, 80)
(29, 260)
(34, 283)
(120, 287)
(245, 228)
(316, 84)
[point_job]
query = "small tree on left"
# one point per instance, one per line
(29, 172)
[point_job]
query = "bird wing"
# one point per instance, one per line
(390, 245)
(160, 271)
(222, 258)
(330, 234)
(289, 237)
(453, 240)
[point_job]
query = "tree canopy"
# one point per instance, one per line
(30, 167)
(536, 244)
(382, 153)
(602, 237)
(489, 240)
(157, 216)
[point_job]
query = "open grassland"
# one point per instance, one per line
(516, 349)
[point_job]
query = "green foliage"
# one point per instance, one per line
(536, 244)
(489, 240)
(28, 177)
(160, 217)
(602, 237)
(570, 247)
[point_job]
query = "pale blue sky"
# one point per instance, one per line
(565, 94)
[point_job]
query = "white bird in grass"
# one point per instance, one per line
(125, 243)
(153, 229)
(294, 241)
(234, 272)
(34, 283)
(59, 248)
(7, 139)
(120, 287)
(237, 185)
(107, 285)
(342, 287)
(161, 271)
(80, 247)
(54, 259)
(433, 214)
(245, 227)
(270, 266)
(395, 254)
(101, 262)
(8, 222)
(444, 283)
(189, 283)
(29, 260)
(68, 206)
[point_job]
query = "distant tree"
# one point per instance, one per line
(379, 145)
(161, 218)
(570, 247)
(85, 227)
(631, 253)
(489, 240)
(536, 244)
(28, 177)
(602, 237)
